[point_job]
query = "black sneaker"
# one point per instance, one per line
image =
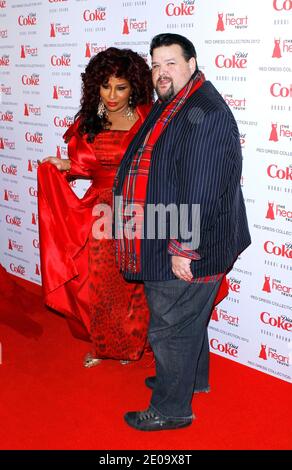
(148, 420)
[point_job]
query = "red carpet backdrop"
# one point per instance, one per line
(245, 48)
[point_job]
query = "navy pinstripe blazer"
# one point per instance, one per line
(196, 160)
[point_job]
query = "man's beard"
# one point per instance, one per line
(166, 96)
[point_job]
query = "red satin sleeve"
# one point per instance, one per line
(80, 153)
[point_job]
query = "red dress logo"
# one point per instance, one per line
(215, 316)
(52, 32)
(267, 286)
(277, 51)
(87, 50)
(55, 93)
(274, 134)
(270, 212)
(263, 352)
(126, 26)
(220, 24)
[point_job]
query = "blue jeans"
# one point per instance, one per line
(178, 335)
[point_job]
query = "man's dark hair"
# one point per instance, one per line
(168, 39)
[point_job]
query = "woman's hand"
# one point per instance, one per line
(60, 163)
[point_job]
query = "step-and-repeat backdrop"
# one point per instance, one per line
(245, 48)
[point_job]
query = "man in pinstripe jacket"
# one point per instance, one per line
(186, 155)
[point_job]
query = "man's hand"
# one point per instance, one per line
(181, 268)
(61, 164)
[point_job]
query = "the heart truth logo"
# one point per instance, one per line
(133, 25)
(230, 20)
(283, 130)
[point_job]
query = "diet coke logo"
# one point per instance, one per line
(281, 91)
(236, 61)
(63, 122)
(279, 173)
(242, 138)
(281, 322)
(99, 14)
(29, 20)
(10, 170)
(61, 92)
(30, 80)
(36, 138)
(272, 353)
(234, 285)
(5, 60)
(229, 349)
(17, 269)
(62, 61)
(15, 220)
(92, 48)
(186, 8)
(278, 210)
(220, 314)
(284, 251)
(231, 20)
(7, 116)
(280, 5)
(276, 285)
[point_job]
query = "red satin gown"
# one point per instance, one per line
(79, 273)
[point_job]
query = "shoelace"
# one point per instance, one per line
(147, 414)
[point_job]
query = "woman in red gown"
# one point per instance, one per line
(79, 273)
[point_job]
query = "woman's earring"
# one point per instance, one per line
(130, 111)
(101, 110)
